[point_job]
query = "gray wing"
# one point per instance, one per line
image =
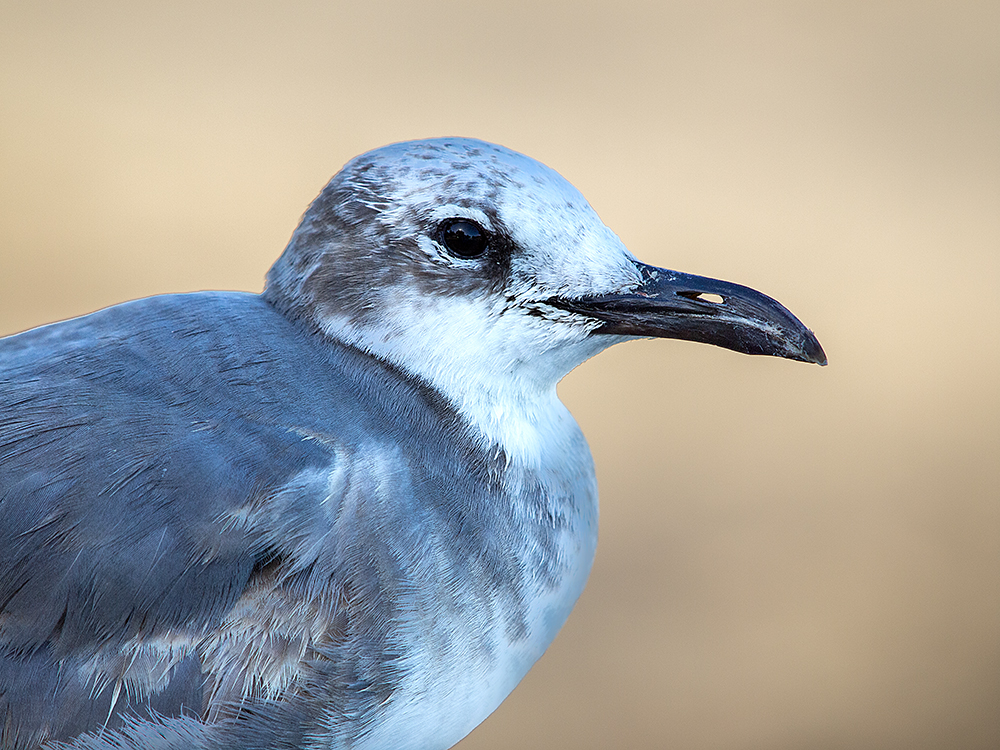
(174, 528)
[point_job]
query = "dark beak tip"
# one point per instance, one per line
(812, 351)
(670, 304)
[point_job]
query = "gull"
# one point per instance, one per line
(348, 512)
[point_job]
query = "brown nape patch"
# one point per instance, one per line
(367, 234)
(263, 648)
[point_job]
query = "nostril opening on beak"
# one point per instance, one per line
(715, 299)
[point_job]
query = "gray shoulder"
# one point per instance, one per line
(174, 479)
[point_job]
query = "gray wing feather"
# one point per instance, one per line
(168, 496)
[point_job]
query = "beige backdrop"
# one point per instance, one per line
(791, 557)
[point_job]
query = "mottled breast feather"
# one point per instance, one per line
(176, 543)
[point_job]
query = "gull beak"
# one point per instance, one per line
(669, 304)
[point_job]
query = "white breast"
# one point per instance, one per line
(442, 700)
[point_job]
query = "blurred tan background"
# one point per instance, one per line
(791, 557)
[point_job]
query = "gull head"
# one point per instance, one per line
(486, 274)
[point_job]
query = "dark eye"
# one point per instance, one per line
(463, 238)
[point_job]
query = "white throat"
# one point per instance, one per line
(497, 365)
